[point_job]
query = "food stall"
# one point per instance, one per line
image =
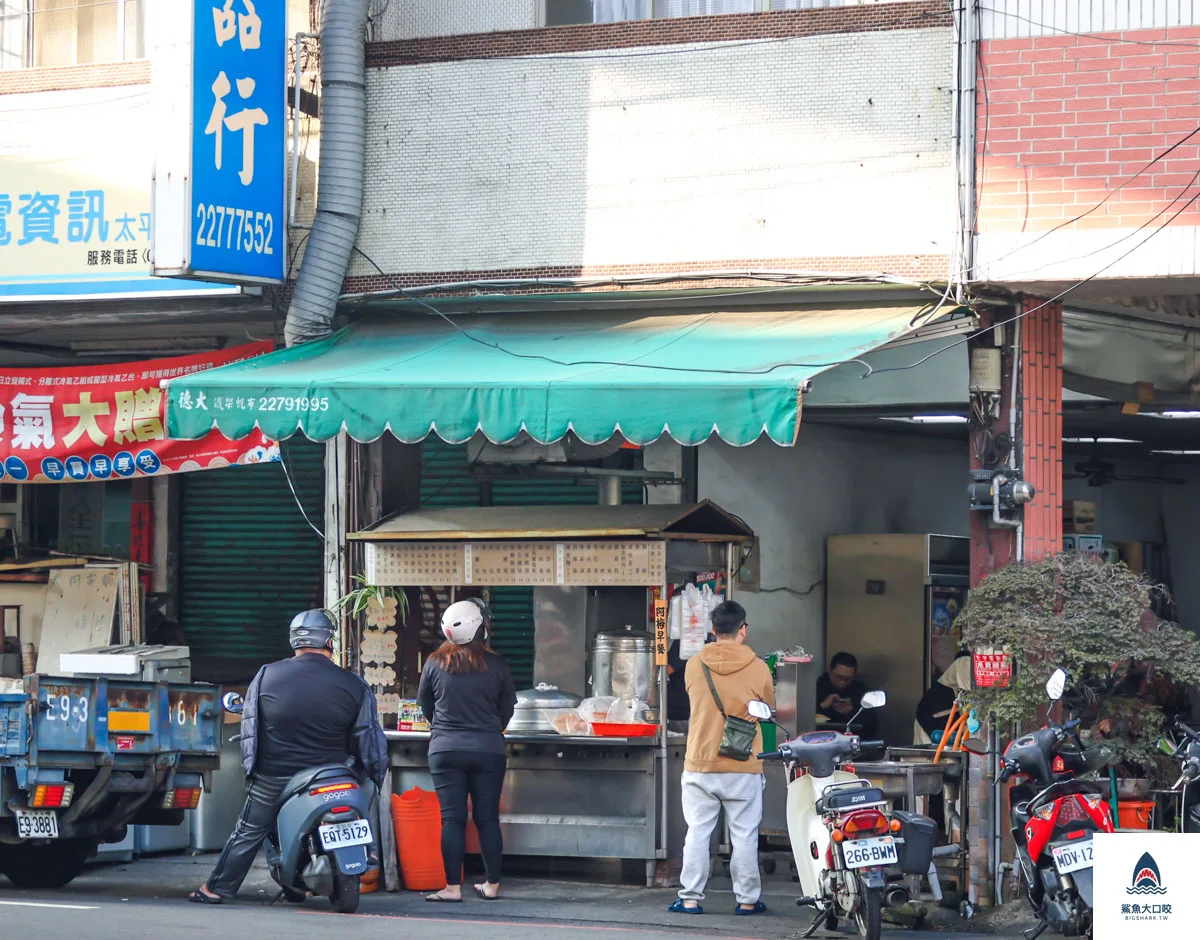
(601, 577)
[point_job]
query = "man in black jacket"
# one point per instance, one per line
(299, 713)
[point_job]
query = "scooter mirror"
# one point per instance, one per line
(874, 699)
(232, 702)
(1056, 684)
(760, 710)
(1166, 747)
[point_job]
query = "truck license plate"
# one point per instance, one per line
(1069, 858)
(37, 824)
(865, 853)
(340, 835)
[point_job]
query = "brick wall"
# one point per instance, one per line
(103, 75)
(1041, 424)
(825, 151)
(1065, 122)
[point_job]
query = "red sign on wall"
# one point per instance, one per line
(107, 422)
(992, 670)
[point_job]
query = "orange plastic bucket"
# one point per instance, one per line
(418, 823)
(1134, 814)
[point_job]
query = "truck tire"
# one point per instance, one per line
(345, 893)
(44, 867)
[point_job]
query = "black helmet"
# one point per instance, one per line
(313, 629)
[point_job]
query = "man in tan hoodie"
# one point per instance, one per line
(712, 782)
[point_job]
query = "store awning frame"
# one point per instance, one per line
(736, 375)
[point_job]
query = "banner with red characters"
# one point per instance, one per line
(69, 425)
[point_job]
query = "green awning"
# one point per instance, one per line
(735, 374)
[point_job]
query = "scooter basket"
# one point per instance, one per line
(918, 833)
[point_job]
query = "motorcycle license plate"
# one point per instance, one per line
(341, 835)
(37, 824)
(865, 853)
(1069, 858)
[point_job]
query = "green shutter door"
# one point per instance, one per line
(248, 560)
(447, 480)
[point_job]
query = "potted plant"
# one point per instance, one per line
(1096, 621)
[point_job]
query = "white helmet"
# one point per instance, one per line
(466, 621)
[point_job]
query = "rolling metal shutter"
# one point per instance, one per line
(248, 560)
(446, 480)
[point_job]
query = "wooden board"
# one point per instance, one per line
(80, 605)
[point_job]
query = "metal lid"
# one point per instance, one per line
(624, 641)
(547, 696)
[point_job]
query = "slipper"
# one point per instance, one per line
(483, 896)
(758, 908)
(438, 899)
(680, 908)
(199, 897)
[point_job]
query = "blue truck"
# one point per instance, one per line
(81, 759)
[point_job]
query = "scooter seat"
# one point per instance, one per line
(849, 799)
(307, 778)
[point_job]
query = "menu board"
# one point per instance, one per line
(414, 564)
(516, 564)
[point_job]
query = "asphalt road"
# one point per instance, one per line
(146, 899)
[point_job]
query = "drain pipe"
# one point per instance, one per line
(340, 177)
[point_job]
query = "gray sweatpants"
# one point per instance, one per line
(704, 795)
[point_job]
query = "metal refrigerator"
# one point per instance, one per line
(893, 601)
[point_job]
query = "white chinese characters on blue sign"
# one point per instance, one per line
(239, 101)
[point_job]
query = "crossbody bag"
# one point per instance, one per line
(739, 734)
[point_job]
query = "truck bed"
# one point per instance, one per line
(78, 723)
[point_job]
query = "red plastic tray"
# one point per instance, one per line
(608, 729)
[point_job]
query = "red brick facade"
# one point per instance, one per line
(1064, 120)
(1041, 425)
(661, 32)
(73, 77)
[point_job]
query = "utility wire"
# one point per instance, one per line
(603, 362)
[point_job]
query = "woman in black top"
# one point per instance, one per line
(467, 694)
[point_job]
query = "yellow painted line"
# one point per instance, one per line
(128, 721)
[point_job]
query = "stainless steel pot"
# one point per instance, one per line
(537, 708)
(623, 667)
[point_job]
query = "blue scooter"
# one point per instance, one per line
(322, 834)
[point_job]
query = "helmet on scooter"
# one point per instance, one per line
(312, 630)
(466, 621)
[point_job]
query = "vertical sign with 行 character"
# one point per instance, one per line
(237, 212)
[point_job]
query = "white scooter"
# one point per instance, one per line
(842, 832)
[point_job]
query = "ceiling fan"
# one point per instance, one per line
(1099, 472)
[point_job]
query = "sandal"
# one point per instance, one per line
(199, 897)
(438, 899)
(483, 895)
(759, 908)
(680, 908)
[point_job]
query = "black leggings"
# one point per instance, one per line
(455, 774)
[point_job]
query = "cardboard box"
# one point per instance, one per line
(1079, 516)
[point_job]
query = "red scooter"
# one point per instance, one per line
(1054, 817)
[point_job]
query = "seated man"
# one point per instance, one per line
(839, 694)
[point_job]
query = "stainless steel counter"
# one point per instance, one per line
(574, 797)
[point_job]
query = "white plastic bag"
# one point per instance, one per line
(596, 708)
(694, 622)
(675, 617)
(628, 712)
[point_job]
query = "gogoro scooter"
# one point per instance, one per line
(322, 834)
(842, 831)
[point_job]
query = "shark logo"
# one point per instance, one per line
(1146, 878)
